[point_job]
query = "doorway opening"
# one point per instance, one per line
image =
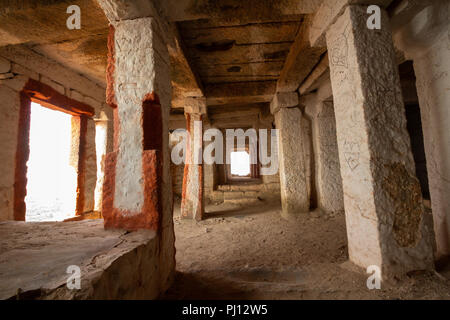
(240, 164)
(414, 124)
(51, 178)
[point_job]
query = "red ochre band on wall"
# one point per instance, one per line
(152, 155)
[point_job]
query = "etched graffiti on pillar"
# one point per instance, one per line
(352, 154)
(339, 52)
(339, 56)
(374, 21)
(74, 21)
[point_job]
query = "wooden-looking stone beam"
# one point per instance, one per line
(183, 76)
(236, 10)
(311, 81)
(302, 58)
(240, 92)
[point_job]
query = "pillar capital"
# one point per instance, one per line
(283, 100)
(195, 105)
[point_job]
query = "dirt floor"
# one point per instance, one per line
(252, 253)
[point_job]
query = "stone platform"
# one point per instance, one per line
(34, 258)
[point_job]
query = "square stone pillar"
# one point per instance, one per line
(386, 222)
(426, 41)
(328, 179)
(192, 202)
(90, 167)
(291, 156)
(137, 188)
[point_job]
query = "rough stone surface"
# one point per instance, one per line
(293, 179)
(386, 222)
(328, 181)
(114, 264)
(148, 74)
(283, 100)
(433, 78)
(9, 122)
(192, 203)
(90, 172)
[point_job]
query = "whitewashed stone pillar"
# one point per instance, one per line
(293, 177)
(386, 222)
(137, 188)
(192, 201)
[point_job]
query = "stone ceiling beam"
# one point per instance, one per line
(311, 81)
(301, 60)
(248, 10)
(240, 92)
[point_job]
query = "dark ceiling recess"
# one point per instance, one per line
(276, 55)
(234, 69)
(223, 45)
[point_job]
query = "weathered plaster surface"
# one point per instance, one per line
(386, 222)
(141, 68)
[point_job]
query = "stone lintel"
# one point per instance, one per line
(283, 100)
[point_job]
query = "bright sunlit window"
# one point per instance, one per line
(240, 163)
(52, 181)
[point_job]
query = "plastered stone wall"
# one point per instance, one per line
(386, 222)
(18, 64)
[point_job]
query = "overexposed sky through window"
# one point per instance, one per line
(51, 186)
(240, 163)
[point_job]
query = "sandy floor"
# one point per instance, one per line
(252, 253)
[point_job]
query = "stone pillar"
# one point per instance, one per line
(293, 179)
(386, 222)
(433, 78)
(90, 167)
(192, 202)
(426, 40)
(137, 188)
(10, 102)
(328, 181)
